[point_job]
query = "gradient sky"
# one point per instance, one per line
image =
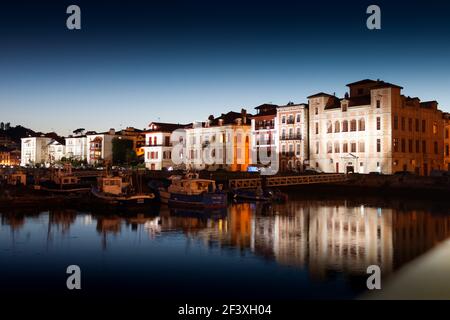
(179, 61)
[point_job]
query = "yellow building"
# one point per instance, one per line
(446, 117)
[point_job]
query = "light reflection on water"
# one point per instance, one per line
(302, 249)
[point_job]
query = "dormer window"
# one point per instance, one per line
(344, 108)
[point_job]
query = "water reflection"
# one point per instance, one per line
(321, 237)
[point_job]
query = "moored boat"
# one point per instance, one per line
(259, 195)
(192, 192)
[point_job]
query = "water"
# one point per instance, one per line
(300, 250)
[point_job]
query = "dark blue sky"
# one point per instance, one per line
(179, 61)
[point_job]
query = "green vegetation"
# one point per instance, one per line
(123, 152)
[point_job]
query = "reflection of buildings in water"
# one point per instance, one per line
(415, 232)
(14, 221)
(109, 225)
(62, 219)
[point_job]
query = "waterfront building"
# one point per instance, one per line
(264, 128)
(293, 149)
(34, 150)
(76, 148)
(446, 117)
(375, 128)
(9, 156)
(138, 138)
(56, 151)
(220, 143)
(100, 147)
(158, 147)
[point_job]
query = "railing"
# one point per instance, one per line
(278, 181)
(291, 137)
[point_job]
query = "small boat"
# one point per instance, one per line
(190, 191)
(259, 195)
(118, 190)
(63, 180)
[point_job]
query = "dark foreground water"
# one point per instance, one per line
(303, 249)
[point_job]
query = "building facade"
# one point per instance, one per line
(100, 147)
(34, 151)
(446, 119)
(158, 147)
(9, 156)
(56, 152)
(292, 122)
(375, 128)
(264, 135)
(222, 143)
(76, 148)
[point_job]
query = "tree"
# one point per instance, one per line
(123, 151)
(79, 131)
(2, 126)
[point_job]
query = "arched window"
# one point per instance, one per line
(362, 124)
(337, 126)
(361, 147)
(299, 133)
(353, 125)
(329, 147)
(329, 127)
(337, 148)
(345, 126)
(345, 147)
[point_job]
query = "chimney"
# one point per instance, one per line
(112, 131)
(244, 115)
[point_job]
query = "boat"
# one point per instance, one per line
(259, 194)
(63, 180)
(119, 190)
(190, 191)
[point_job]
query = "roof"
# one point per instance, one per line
(365, 81)
(230, 118)
(320, 94)
(165, 127)
(375, 84)
(266, 106)
(333, 103)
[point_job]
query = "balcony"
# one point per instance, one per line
(291, 137)
(290, 121)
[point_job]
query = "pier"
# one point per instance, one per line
(280, 181)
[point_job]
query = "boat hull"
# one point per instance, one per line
(133, 200)
(205, 200)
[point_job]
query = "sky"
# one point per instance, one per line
(134, 62)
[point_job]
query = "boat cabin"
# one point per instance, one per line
(112, 185)
(18, 178)
(65, 176)
(191, 185)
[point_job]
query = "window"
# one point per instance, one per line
(446, 134)
(424, 125)
(361, 146)
(424, 146)
(395, 122)
(410, 124)
(378, 145)
(337, 148)
(283, 149)
(329, 127)
(417, 125)
(337, 126)
(299, 133)
(345, 147)
(298, 149)
(316, 111)
(317, 128)
(378, 123)
(283, 119)
(410, 146)
(378, 104)
(317, 147)
(353, 147)
(362, 124)
(345, 126)
(447, 150)
(291, 149)
(395, 145)
(329, 147)
(417, 146)
(436, 148)
(283, 134)
(344, 108)
(353, 125)
(298, 117)
(403, 145)
(435, 128)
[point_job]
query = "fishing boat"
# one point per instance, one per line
(119, 190)
(190, 191)
(259, 194)
(62, 180)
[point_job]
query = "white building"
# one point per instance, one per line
(56, 151)
(265, 140)
(158, 147)
(34, 150)
(292, 121)
(76, 148)
(100, 146)
(220, 143)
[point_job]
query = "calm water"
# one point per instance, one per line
(303, 249)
